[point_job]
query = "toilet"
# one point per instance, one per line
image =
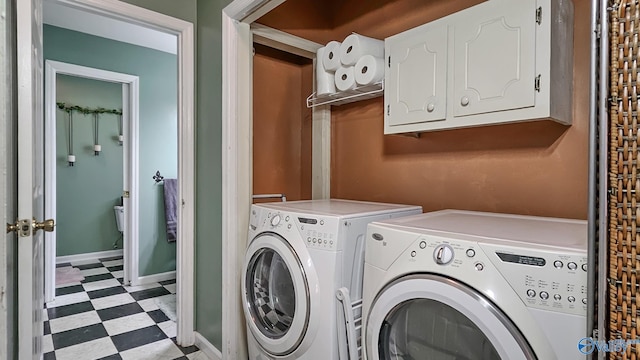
(119, 211)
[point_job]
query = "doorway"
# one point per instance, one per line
(182, 31)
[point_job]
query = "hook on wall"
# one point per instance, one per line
(157, 177)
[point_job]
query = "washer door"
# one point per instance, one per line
(432, 317)
(276, 294)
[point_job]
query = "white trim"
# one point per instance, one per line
(148, 279)
(206, 347)
(237, 158)
(283, 41)
(321, 151)
(236, 178)
(186, 144)
(130, 105)
(87, 256)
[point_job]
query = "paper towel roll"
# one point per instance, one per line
(331, 58)
(369, 70)
(325, 82)
(356, 46)
(345, 79)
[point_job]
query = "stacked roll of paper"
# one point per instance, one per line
(358, 60)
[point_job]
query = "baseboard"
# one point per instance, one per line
(207, 348)
(148, 279)
(88, 256)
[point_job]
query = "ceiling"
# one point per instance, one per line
(82, 21)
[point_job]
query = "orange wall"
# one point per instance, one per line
(530, 168)
(281, 124)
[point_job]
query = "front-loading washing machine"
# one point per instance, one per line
(299, 254)
(472, 285)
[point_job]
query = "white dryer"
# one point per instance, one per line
(471, 285)
(299, 253)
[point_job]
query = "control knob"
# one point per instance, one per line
(275, 220)
(443, 254)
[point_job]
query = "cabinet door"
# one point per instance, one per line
(415, 81)
(494, 52)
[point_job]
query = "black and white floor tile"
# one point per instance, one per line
(99, 318)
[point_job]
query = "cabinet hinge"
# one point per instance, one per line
(389, 61)
(595, 334)
(125, 194)
(388, 110)
(539, 15)
(537, 83)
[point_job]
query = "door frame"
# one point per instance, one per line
(184, 32)
(130, 121)
(237, 159)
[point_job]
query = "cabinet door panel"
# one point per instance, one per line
(495, 60)
(415, 83)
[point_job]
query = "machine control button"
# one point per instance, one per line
(314, 240)
(325, 241)
(331, 242)
(471, 253)
(558, 264)
(544, 295)
(309, 239)
(557, 297)
(572, 266)
(287, 218)
(584, 267)
(584, 301)
(479, 266)
(423, 244)
(443, 254)
(275, 220)
(531, 293)
(413, 253)
(571, 299)
(289, 226)
(321, 222)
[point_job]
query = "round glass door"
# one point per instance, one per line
(271, 296)
(428, 329)
(430, 317)
(276, 294)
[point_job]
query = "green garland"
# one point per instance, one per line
(69, 108)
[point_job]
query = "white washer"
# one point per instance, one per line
(299, 254)
(472, 285)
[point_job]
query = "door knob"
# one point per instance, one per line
(47, 225)
(12, 227)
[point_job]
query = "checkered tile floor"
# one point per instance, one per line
(99, 318)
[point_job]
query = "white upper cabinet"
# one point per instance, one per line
(498, 62)
(416, 80)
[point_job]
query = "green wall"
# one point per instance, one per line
(87, 191)
(157, 72)
(208, 256)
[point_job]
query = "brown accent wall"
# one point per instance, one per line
(281, 124)
(537, 168)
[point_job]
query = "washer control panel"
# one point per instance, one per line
(543, 279)
(317, 232)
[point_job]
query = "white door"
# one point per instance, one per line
(432, 317)
(416, 78)
(494, 60)
(275, 294)
(30, 178)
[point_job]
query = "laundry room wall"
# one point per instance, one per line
(537, 168)
(157, 125)
(87, 192)
(281, 124)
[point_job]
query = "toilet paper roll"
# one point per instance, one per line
(121, 138)
(97, 148)
(71, 158)
(345, 79)
(369, 70)
(325, 82)
(331, 56)
(356, 46)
